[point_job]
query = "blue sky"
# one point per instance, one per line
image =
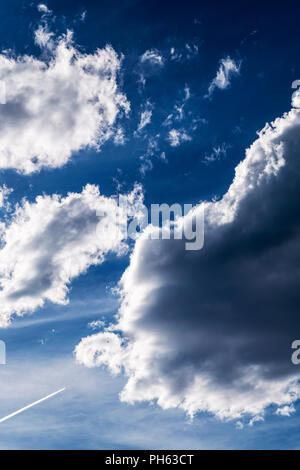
(208, 77)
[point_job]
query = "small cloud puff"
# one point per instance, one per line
(152, 56)
(42, 8)
(4, 193)
(228, 68)
(218, 152)
(255, 419)
(286, 410)
(146, 115)
(177, 136)
(96, 324)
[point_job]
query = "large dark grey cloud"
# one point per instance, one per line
(211, 330)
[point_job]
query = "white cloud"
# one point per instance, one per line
(119, 138)
(43, 37)
(141, 82)
(228, 68)
(52, 240)
(174, 55)
(192, 50)
(58, 105)
(153, 57)
(96, 324)
(152, 150)
(286, 410)
(146, 115)
(255, 419)
(178, 113)
(146, 165)
(211, 331)
(42, 8)
(145, 119)
(187, 93)
(177, 136)
(218, 152)
(4, 193)
(188, 52)
(105, 350)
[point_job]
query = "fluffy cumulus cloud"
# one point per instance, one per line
(286, 410)
(50, 241)
(211, 330)
(228, 69)
(57, 104)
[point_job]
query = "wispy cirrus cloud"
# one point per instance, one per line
(227, 70)
(177, 136)
(153, 57)
(42, 8)
(217, 152)
(146, 115)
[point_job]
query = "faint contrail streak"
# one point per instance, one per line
(30, 406)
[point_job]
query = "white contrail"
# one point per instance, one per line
(30, 406)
